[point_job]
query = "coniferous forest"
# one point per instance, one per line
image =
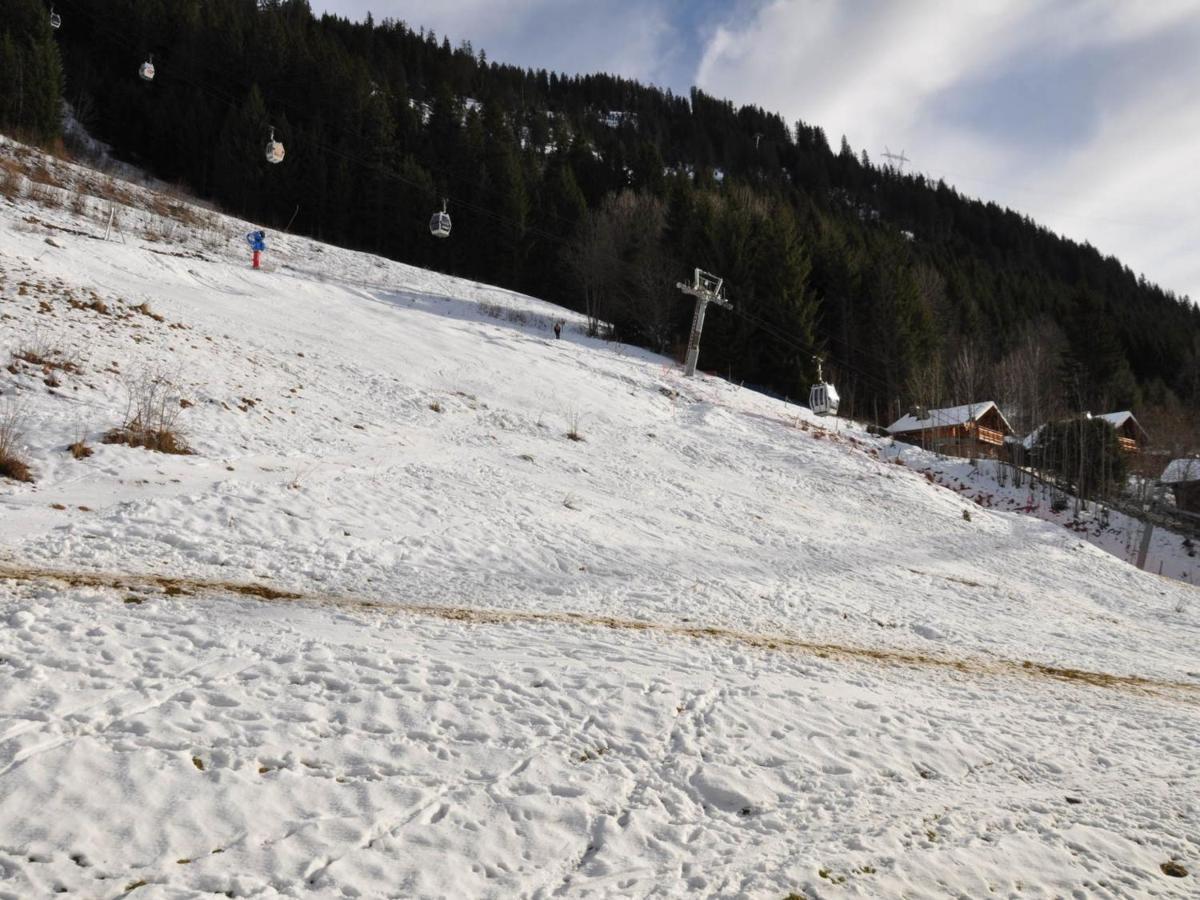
(600, 194)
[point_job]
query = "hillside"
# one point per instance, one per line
(389, 630)
(600, 193)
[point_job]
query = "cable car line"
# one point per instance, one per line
(440, 224)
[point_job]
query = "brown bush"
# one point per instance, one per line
(159, 440)
(151, 416)
(12, 429)
(95, 304)
(145, 310)
(39, 352)
(14, 468)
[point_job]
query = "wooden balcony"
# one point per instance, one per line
(1128, 445)
(990, 435)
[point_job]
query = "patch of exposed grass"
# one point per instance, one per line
(12, 429)
(94, 303)
(15, 469)
(573, 431)
(151, 416)
(158, 440)
(145, 310)
(39, 353)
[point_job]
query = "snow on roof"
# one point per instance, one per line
(940, 418)
(1179, 470)
(1117, 419)
(1031, 439)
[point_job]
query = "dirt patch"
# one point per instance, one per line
(172, 587)
(956, 580)
(980, 666)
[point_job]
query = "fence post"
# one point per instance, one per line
(1144, 549)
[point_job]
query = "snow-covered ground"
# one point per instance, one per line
(994, 485)
(392, 632)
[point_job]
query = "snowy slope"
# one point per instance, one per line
(714, 648)
(991, 484)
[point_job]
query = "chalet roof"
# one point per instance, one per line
(1117, 419)
(943, 418)
(1180, 470)
(1031, 439)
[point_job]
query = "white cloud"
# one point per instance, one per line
(1122, 176)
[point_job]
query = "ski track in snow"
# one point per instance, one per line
(181, 746)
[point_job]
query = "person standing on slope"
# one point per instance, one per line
(557, 330)
(258, 243)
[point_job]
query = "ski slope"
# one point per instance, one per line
(392, 632)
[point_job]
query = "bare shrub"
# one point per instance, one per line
(79, 448)
(493, 310)
(12, 430)
(38, 351)
(152, 413)
(573, 431)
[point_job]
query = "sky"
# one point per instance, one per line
(1083, 114)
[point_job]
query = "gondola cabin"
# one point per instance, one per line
(274, 150)
(823, 399)
(439, 224)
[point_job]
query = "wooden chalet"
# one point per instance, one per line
(973, 430)
(1132, 436)
(1183, 477)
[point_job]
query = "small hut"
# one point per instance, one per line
(1130, 434)
(972, 430)
(1183, 477)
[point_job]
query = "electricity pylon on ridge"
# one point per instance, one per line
(897, 160)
